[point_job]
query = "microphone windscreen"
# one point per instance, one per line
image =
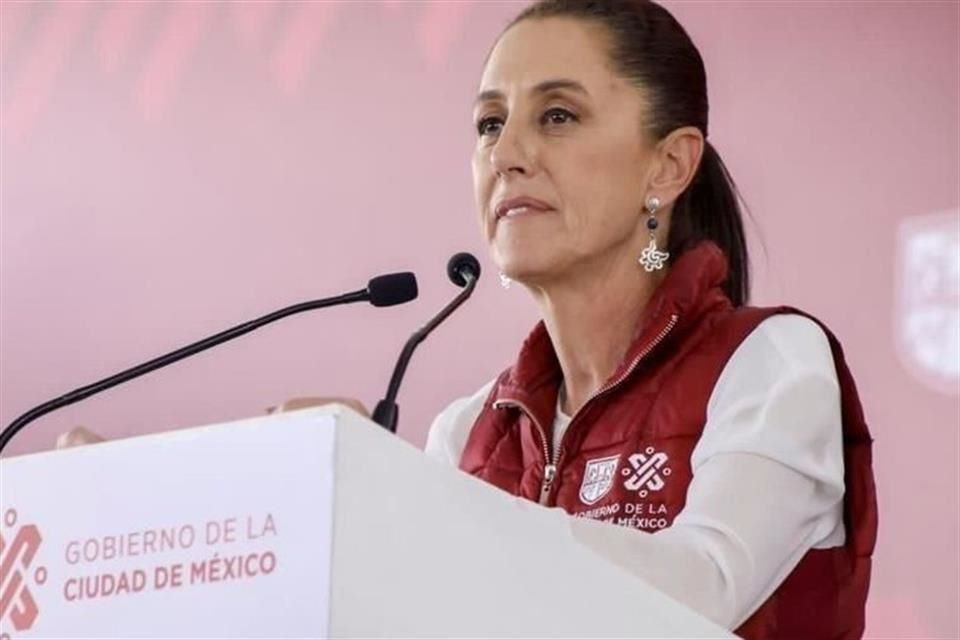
(392, 288)
(460, 265)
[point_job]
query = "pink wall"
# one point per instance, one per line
(171, 169)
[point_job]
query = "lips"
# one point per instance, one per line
(518, 206)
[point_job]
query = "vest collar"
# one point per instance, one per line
(690, 288)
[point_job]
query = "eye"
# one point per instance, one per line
(489, 125)
(556, 116)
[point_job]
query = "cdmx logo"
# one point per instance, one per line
(646, 472)
(17, 605)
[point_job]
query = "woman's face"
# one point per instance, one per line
(561, 157)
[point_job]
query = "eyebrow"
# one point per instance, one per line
(544, 87)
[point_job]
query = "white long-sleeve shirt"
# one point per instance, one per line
(767, 477)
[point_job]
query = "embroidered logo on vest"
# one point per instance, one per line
(598, 479)
(647, 472)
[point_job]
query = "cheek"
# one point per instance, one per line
(603, 198)
(478, 177)
(610, 178)
(482, 185)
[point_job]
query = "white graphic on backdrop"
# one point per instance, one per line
(927, 314)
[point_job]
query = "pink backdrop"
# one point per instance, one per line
(171, 169)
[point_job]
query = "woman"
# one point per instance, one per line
(650, 396)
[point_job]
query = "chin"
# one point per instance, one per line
(523, 266)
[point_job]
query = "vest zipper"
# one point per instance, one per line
(552, 462)
(657, 339)
(550, 468)
(636, 361)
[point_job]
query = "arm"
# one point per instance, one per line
(448, 434)
(768, 480)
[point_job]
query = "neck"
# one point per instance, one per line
(592, 319)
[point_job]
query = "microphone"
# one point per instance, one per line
(463, 270)
(382, 291)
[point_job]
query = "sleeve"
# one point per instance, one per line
(767, 485)
(448, 434)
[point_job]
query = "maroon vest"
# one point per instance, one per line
(625, 457)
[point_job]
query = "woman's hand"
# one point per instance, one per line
(295, 404)
(78, 436)
(81, 435)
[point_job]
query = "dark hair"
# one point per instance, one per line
(650, 48)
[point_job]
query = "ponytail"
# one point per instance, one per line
(710, 210)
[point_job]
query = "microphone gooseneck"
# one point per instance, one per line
(382, 291)
(463, 269)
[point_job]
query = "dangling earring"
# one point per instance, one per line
(651, 258)
(505, 280)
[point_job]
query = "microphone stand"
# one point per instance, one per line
(386, 412)
(382, 291)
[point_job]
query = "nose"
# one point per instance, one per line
(511, 154)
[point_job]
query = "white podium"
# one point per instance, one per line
(309, 524)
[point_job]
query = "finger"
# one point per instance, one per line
(356, 405)
(295, 404)
(76, 437)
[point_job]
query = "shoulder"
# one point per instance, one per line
(783, 350)
(778, 396)
(762, 347)
(793, 340)
(450, 429)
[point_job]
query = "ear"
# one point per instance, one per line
(678, 157)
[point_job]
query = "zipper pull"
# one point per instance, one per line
(549, 473)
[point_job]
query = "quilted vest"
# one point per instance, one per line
(634, 438)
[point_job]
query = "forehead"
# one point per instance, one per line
(538, 49)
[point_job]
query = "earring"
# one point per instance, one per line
(505, 280)
(651, 258)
